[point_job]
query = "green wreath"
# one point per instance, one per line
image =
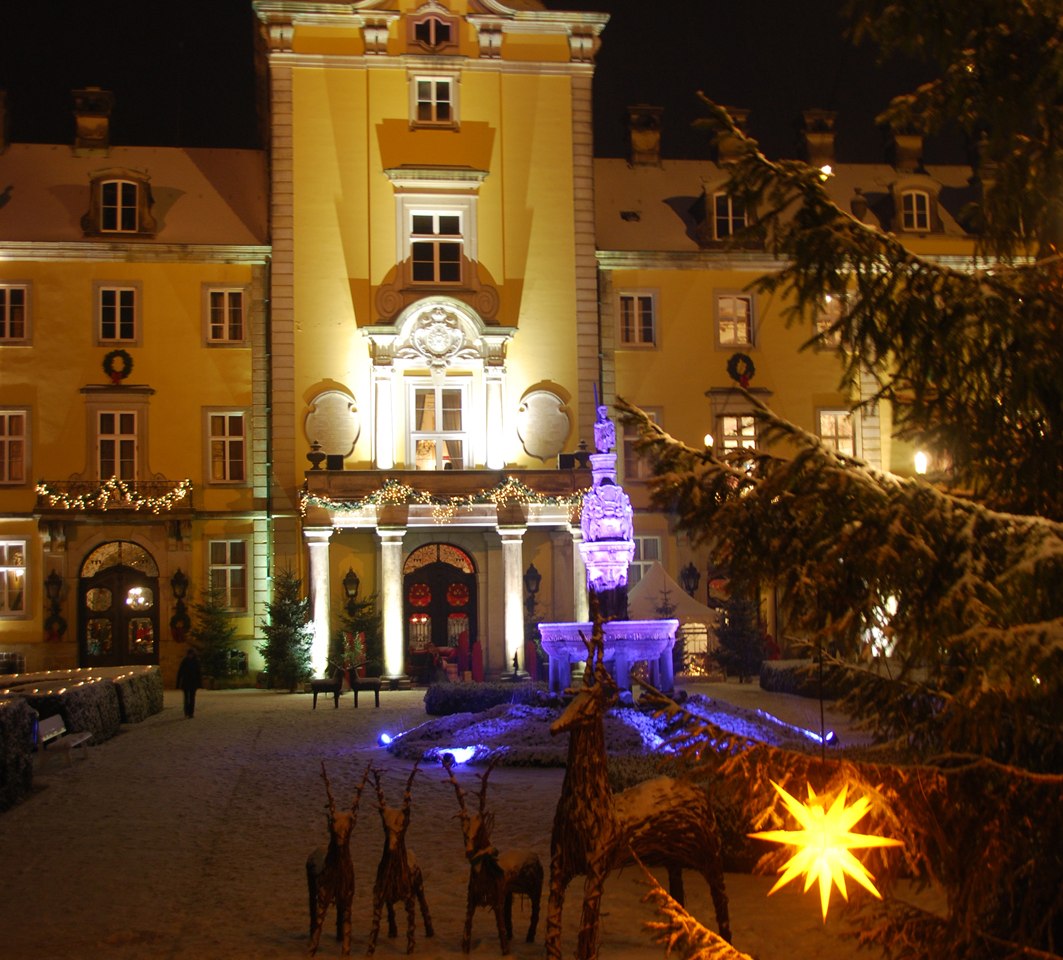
(740, 368)
(118, 374)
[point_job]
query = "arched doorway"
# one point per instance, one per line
(439, 610)
(118, 608)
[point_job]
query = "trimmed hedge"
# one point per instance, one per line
(17, 722)
(443, 699)
(90, 705)
(801, 678)
(139, 695)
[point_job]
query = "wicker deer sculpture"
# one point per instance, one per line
(494, 877)
(664, 822)
(397, 877)
(330, 873)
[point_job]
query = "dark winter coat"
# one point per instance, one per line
(189, 673)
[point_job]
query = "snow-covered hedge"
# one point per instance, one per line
(139, 695)
(87, 705)
(444, 699)
(16, 750)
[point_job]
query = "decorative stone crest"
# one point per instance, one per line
(543, 424)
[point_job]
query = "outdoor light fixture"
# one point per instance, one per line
(709, 439)
(689, 578)
(351, 583)
(180, 623)
(54, 624)
(922, 461)
(532, 581)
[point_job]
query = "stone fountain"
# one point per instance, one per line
(608, 546)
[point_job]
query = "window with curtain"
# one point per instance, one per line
(438, 434)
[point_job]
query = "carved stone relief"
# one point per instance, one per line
(333, 422)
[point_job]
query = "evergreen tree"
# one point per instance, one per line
(288, 634)
(213, 632)
(741, 641)
(961, 576)
(361, 621)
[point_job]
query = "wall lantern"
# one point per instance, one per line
(532, 581)
(689, 578)
(351, 584)
(54, 624)
(180, 623)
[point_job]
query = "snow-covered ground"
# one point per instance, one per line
(187, 839)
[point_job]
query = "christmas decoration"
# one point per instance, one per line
(494, 877)
(398, 878)
(330, 873)
(663, 822)
(824, 843)
(119, 370)
(286, 649)
(740, 368)
(115, 493)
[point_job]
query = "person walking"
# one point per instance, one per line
(190, 679)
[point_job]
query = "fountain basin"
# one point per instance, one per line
(626, 642)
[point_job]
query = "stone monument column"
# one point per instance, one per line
(391, 601)
(317, 541)
(513, 607)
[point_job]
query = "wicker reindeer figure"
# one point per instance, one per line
(494, 877)
(398, 877)
(663, 821)
(330, 873)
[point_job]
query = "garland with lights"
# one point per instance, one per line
(740, 368)
(392, 492)
(116, 373)
(115, 493)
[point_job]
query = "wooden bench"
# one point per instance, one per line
(334, 685)
(52, 731)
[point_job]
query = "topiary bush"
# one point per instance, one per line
(16, 750)
(139, 695)
(443, 699)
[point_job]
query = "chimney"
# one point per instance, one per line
(727, 146)
(818, 134)
(92, 120)
(5, 122)
(644, 135)
(907, 151)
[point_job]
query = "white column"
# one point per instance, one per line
(495, 458)
(317, 541)
(581, 605)
(391, 599)
(513, 596)
(384, 422)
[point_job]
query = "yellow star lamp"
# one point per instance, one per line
(824, 844)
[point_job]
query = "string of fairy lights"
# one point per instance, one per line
(507, 493)
(115, 493)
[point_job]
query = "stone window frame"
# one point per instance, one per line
(226, 289)
(226, 440)
(832, 441)
(7, 568)
(225, 565)
(435, 76)
(98, 288)
(637, 343)
(6, 310)
(7, 439)
(722, 344)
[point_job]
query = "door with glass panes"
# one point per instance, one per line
(439, 610)
(118, 609)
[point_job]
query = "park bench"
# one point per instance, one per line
(334, 685)
(51, 731)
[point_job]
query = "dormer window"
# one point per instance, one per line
(915, 211)
(119, 203)
(729, 215)
(432, 31)
(118, 206)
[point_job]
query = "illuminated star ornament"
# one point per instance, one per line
(824, 843)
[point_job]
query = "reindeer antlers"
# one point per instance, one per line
(328, 791)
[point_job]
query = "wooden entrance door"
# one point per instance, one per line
(118, 607)
(439, 609)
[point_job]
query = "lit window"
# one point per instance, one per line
(116, 309)
(433, 101)
(915, 211)
(829, 313)
(12, 446)
(435, 247)
(734, 320)
(836, 431)
(635, 466)
(227, 447)
(225, 316)
(228, 572)
(647, 553)
(12, 578)
(118, 206)
(116, 444)
(13, 318)
(737, 432)
(638, 324)
(438, 437)
(729, 215)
